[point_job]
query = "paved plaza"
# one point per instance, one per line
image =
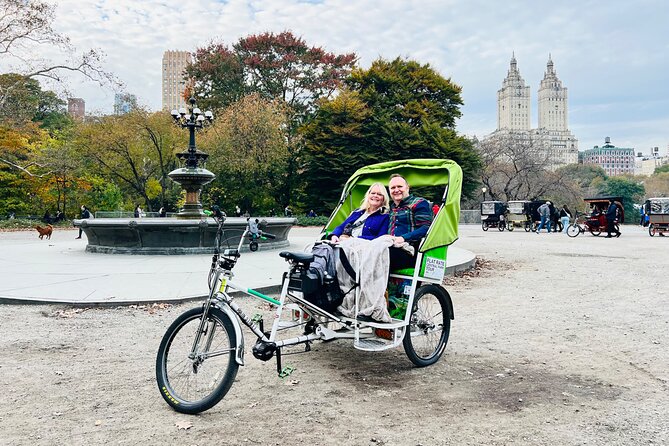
(61, 271)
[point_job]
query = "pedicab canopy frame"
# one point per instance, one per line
(418, 172)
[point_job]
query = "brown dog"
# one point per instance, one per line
(44, 231)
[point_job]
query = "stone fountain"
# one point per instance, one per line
(191, 232)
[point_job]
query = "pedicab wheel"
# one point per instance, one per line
(651, 230)
(509, 227)
(194, 383)
(528, 228)
(595, 232)
(253, 246)
(430, 324)
(484, 226)
(573, 230)
(500, 227)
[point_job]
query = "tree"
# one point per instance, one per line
(276, 66)
(396, 109)
(630, 190)
(136, 150)
(248, 153)
(26, 27)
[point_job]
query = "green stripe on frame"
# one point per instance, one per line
(263, 297)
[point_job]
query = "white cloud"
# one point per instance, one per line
(611, 55)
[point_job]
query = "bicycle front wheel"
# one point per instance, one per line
(430, 325)
(573, 230)
(194, 376)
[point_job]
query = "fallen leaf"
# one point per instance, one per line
(98, 422)
(183, 425)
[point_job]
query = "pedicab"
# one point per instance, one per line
(518, 215)
(493, 215)
(594, 222)
(657, 210)
(201, 351)
(532, 213)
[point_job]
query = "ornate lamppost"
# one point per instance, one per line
(483, 189)
(192, 175)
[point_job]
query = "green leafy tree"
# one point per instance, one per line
(396, 109)
(630, 190)
(136, 150)
(248, 153)
(277, 67)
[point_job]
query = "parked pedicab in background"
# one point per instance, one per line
(518, 215)
(657, 210)
(532, 213)
(201, 351)
(493, 215)
(595, 221)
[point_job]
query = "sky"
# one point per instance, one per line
(612, 56)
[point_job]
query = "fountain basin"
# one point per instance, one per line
(171, 236)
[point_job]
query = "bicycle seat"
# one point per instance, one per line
(300, 257)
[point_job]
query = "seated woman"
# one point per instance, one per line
(363, 239)
(370, 220)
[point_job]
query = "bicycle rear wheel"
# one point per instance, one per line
(193, 378)
(430, 325)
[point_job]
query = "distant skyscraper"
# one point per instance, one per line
(174, 82)
(513, 101)
(552, 138)
(124, 103)
(76, 107)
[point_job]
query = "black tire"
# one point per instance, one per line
(484, 226)
(195, 385)
(651, 230)
(528, 227)
(501, 226)
(594, 231)
(509, 226)
(253, 246)
(573, 230)
(429, 327)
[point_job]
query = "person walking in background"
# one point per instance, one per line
(139, 213)
(85, 214)
(565, 216)
(545, 214)
(611, 218)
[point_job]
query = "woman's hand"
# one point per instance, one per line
(397, 241)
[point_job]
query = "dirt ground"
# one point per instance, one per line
(556, 341)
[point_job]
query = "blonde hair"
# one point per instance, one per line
(364, 204)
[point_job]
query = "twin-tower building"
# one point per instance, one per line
(552, 136)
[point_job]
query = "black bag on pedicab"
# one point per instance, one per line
(319, 282)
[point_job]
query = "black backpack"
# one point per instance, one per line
(319, 282)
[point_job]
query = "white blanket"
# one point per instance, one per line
(372, 259)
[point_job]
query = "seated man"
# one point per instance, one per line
(410, 219)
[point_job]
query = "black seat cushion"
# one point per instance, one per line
(300, 257)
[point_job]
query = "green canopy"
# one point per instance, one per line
(417, 172)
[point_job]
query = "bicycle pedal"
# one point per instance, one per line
(286, 371)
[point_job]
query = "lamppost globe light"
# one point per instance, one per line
(196, 111)
(209, 115)
(484, 190)
(174, 113)
(182, 111)
(200, 118)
